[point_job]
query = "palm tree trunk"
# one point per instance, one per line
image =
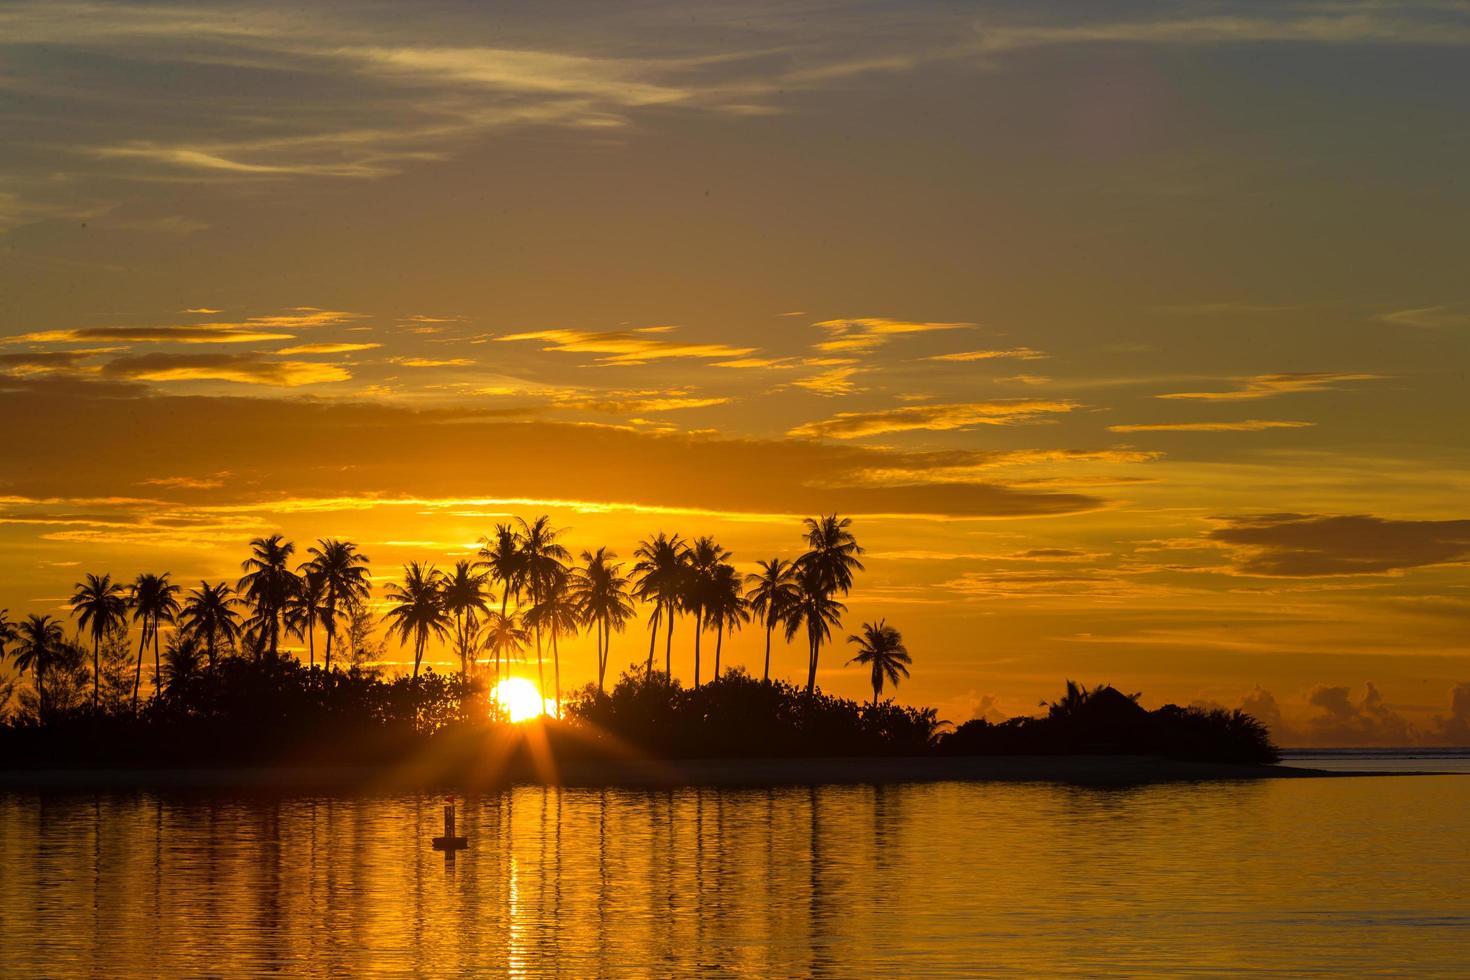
(652, 639)
(811, 672)
(41, 686)
(157, 664)
(311, 641)
(719, 641)
(96, 668)
(556, 667)
(766, 674)
(418, 653)
(464, 667)
(698, 629)
(503, 597)
(669, 646)
(138, 674)
(601, 656)
(209, 649)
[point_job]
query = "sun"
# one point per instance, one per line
(521, 699)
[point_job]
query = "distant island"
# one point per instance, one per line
(226, 693)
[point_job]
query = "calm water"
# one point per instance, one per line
(1338, 877)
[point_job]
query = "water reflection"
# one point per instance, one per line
(820, 881)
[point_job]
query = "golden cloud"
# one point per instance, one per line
(626, 346)
(1293, 545)
(1271, 385)
(1019, 353)
(936, 418)
(241, 369)
(868, 333)
(327, 348)
(1248, 425)
(207, 334)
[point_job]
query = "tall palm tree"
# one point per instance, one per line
(815, 607)
(500, 557)
(543, 563)
(419, 609)
(305, 608)
(40, 644)
(503, 636)
(770, 593)
(705, 555)
(832, 552)
(155, 601)
(100, 605)
(267, 585)
(344, 574)
(881, 647)
(464, 598)
(180, 659)
(725, 607)
(600, 592)
(659, 570)
(7, 632)
(209, 614)
(556, 615)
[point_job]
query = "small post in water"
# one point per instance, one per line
(449, 843)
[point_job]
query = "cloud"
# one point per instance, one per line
(1345, 722)
(1291, 545)
(1455, 729)
(242, 369)
(632, 402)
(207, 334)
(1019, 353)
(625, 347)
(327, 348)
(868, 333)
(43, 362)
(188, 482)
(335, 452)
(1271, 385)
(837, 381)
(1248, 425)
(933, 418)
(1428, 317)
(428, 362)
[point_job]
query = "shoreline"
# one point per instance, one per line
(673, 773)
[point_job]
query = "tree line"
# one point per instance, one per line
(522, 589)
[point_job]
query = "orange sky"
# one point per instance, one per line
(1133, 341)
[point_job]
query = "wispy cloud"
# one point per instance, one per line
(242, 369)
(209, 334)
(1312, 545)
(1428, 317)
(1247, 425)
(869, 333)
(1271, 385)
(429, 362)
(833, 382)
(327, 348)
(637, 346)
(934, 418)
(1019, 353)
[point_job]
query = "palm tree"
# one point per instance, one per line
(501, 558)
(7, 632)
(881, 647)
(725, 608)
(100, 605)
(771, 592)
(304, 609)
(704, 557)
(833, 552)
(556, 615)
(816, 607)
(180, 659)
(660, 570)
(154, 601)
(464, 596)
(344, 575)
(542, 562)
(419, 609)
(267, 585)
(40, 643)
(209, 613)
(600, 592)
(503, 636)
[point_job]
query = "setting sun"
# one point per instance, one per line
(521, 699)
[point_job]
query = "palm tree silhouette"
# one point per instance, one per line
(464, 596)
(833, 552)
(819, 610)
(556, 615)
(419, 610)
(542, 561)
(304, 608)
(100, 605)
(267, 586)
(180, 659)
(501, 558)
(209, 613)
(7, 632)
(154, 601)
(344, 575)
(600, 592)
(503, 636)
(661, 566)
(881, 647)
(771, 592)
(40, 644)
(705, 555)
(725, 608)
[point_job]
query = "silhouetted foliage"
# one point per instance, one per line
(1103, 720)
